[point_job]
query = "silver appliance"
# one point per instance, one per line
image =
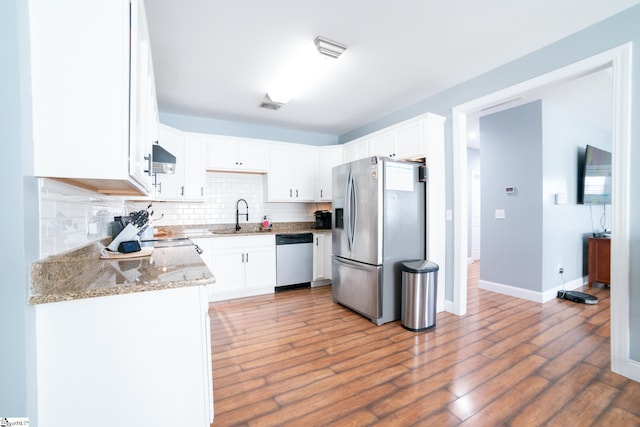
(378, 222)
(294, 260)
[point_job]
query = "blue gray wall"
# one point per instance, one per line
(247, 130)
(511, 156)
(565, 136)
(608, 34)
(19, 215)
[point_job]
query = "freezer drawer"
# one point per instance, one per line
(357, 286)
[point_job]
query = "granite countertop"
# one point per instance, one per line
(228, 230)
(82, 274)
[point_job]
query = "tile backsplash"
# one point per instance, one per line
(222, 192)
(71, 217)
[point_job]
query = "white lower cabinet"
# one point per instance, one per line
(242, 265)
(133, 359)
(322, 257)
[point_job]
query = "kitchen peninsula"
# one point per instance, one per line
(123, 339)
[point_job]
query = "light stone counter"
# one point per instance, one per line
(228, 230)
(82, 274)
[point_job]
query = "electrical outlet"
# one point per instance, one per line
(560, 269)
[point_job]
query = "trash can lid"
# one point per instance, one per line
(419, 266)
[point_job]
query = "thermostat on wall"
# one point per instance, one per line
(510, 190)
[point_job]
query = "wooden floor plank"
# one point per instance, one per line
(297, 358)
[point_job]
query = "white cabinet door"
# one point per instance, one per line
(242, 266)
(80, 77)
(195, 158)
(228, 264)
(143, 105)
(405, 141)
(356, 150)
(260, 265)
(328, 251)
(222, 153)
(410, 141)
(328, 157)
(188, 181)
(318, 257)
(322, 256)
(281, 177)
(237, 154)
(169, 186)
(382, 145)
(305, 174)
(292, 173)
(253, 156)
(122, 357)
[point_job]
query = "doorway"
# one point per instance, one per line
(619, 60)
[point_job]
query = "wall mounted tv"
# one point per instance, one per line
(596, 183)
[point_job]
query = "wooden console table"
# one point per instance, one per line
(599, 260)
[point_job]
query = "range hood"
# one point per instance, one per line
(162, 161)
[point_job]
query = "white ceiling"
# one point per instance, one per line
(215, 58)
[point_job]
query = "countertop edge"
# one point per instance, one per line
(122, 290)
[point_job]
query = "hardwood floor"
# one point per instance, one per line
(297, 359)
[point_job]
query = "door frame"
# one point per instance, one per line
(619, 59)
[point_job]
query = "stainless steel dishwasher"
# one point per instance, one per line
(294, 260)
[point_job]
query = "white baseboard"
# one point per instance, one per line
(239, 293)
(448, 306)
(527, 294)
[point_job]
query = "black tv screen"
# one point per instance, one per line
(596, 187)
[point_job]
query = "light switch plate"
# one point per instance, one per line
(500, 214)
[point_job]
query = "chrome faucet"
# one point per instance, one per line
(238, 213)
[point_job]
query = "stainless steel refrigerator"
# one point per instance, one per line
(378, 222)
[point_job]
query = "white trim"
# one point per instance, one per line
(460, 228)
(535, 296)
(239, 293)
(512, 291)
(620, 331)
(620, 60)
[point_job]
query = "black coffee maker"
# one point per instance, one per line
(323, 220)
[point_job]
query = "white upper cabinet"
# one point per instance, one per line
(169, 186)
(237, 154)
(355, 150)
(195, 164)
(87, 128)
(328, 157)
(293, 171)
(401, 142)
(382, 145)
(404, 141)
(188, 181)
(410, 140)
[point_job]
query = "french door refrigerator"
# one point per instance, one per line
(379, 222)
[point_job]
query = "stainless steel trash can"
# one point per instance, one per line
(419, 292)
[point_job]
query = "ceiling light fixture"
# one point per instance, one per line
(328, 47)
(305, 68)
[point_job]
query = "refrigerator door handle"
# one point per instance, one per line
(353, 218)
(350, 211)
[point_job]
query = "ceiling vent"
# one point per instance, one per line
(269, 104)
